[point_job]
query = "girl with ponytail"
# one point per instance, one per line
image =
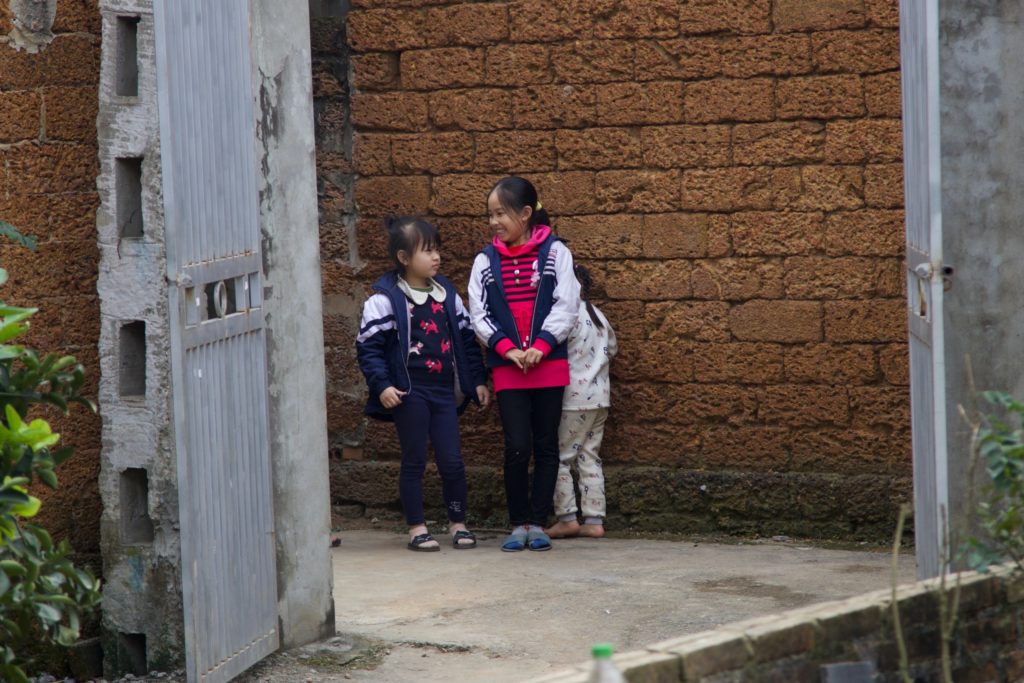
(523, 301)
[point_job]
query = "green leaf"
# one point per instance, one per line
(57, 400)
(9, 331)
(11, 496)
(14, 674)
(12, 568)
(35, 434)
(48, 477)
(11, 627)
(67, 636)
(48, 613)
(12, 233)
(28, 509)
(45, 540)
(61, 455)
(5, 583)
(58, 599)
(8, 351)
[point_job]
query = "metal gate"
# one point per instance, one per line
(211, 202)
(919, 53)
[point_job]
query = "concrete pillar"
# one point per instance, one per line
(981, 96)
(295, 347)
(142, 608)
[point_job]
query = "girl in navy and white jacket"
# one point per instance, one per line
(523, 300)
(422, 363)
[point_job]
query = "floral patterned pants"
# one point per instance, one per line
(579, 444)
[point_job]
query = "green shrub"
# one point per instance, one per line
(999, 443)
(43, 596)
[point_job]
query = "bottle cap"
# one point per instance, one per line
(603, 650)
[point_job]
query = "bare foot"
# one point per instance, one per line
(592, 530)
(455, 527)
(415, 531)
(564, 530)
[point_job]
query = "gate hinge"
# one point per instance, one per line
(182, 280)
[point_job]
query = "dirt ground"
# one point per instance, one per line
(484, 615)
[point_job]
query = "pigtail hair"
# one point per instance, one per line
(540, 217)
(583, 275)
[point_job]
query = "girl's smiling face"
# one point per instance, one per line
(511, 228)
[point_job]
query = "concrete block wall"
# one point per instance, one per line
(730, 171)
(142, 609)
(797, 646)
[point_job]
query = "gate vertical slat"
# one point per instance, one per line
(208, 148)
(920, 83)
(248, 419)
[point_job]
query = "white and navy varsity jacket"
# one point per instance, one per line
(382, 346)
(555, 308)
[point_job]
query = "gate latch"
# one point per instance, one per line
(926, 271)
(947, 278)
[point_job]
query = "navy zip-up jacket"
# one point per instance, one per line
(382, 346)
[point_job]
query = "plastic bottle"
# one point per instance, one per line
(605, 670)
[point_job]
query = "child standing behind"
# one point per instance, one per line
(422, 364)
(592, 345)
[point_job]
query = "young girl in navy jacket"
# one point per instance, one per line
(422, 364)
(523, 300)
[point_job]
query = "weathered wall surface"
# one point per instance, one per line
(295, 367)
(728, 169)
(48, 169)
(980, 86)
(141, 542)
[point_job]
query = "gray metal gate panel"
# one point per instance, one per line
(919, 47)
(208, 147)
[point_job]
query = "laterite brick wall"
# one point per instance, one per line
(730, 172)
(48, 169)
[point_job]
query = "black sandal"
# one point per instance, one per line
(416, 544)
(460, 535)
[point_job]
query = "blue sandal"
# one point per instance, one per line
(538, 540)
(514, 543)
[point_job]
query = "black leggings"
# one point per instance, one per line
(530, 418)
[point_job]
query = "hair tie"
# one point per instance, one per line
(539, 206)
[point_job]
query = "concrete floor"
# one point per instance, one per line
(484, 615)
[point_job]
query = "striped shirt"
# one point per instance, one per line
(519, 276)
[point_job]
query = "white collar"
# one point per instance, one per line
(419, 298)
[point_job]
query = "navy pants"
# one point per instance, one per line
(530, 418)
(429, 411)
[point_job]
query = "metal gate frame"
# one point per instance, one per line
(218, 346)
(919, 59)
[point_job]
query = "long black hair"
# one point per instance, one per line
(515, 194)
(409, 234)
(583, 275)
